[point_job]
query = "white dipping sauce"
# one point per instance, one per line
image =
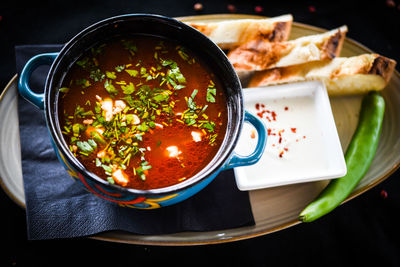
(302, 144)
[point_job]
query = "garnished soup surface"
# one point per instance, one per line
(142, 112)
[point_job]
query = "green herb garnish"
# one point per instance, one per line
(211, 93)
(110, 87)
(87, 146)
(64, 90)
(132, 73)
(128, 89)
(83, 82)
(130, 46)
(111, 75)
(120, 68)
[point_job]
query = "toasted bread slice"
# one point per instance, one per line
(342, 76)
(231, 33)
(261, 54)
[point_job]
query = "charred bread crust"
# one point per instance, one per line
(383, 67)
(260, 54)
(280, 32)
(351, 75)
(257, 54)
(230, 34)
(333, 45)
(268, 77)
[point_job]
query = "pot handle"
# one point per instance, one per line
(23, 84)
(239, 160)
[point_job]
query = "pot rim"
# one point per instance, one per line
(218, 162)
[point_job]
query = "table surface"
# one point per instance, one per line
(362, 231)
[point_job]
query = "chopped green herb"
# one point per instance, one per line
(190, 101)
(143, 167)
(107, 168)
(120, 68)
(111, 75)
(161, 97)
(209, 125)
(76, 129)
(174, 73)
(110, 180)
(143, 127)
(97, 137)
(110, 88)
(83, 82)
(128, 89)
(130, 46)
(92, 143)
(132, 73)
(85, 147)
(64, 90)
(84, 63)
(211, 93)
(96, 75)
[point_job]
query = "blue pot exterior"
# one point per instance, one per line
(226, 158)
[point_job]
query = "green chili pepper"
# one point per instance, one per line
(359, 156)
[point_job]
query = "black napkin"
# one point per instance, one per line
(58, 207)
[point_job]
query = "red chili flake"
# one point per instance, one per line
(269, 131)
(262, 105)
(311, 9)
(286, 149)
(293, 130)
(286, 108)
(384, 194)
(258, 9)
(280, 140)
(198, 6)
(258, 106)
(231, 8)
(304, 137)
(273, 115)
(281, 154)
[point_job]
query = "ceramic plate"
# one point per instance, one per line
(273, 208)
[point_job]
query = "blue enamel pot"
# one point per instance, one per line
(156, 25)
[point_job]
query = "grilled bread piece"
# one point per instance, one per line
(261, 54)
(231, 33)
(342, 76)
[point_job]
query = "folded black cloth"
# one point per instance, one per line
(58, 207)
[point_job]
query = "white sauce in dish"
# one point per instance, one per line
(302, 144)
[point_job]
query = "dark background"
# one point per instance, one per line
(363, 231)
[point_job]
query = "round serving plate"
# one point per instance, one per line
(274, 208)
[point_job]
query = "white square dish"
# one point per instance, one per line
(303, 144)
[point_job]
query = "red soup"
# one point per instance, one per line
(142, 112)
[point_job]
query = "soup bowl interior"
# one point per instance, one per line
(152, 25)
